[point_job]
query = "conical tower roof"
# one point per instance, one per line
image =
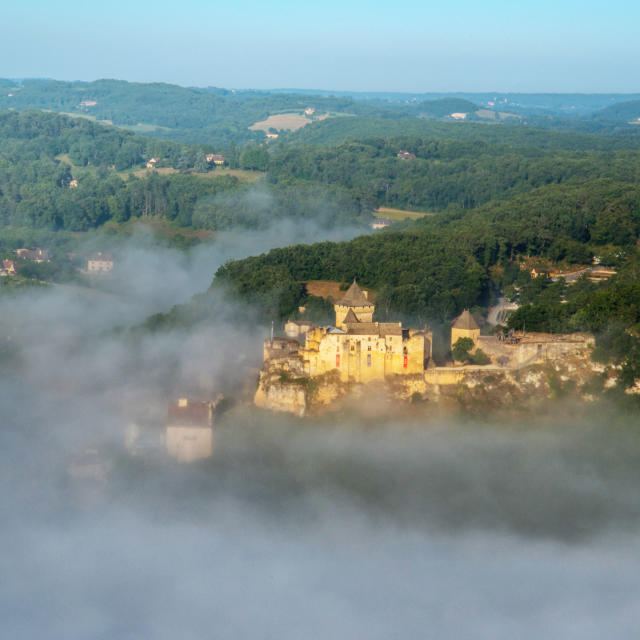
(465, 321)
(354, 297)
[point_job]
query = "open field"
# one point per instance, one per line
(326, 289)
(290, 121)
(399, 214)
(488, 114)
(241, 174)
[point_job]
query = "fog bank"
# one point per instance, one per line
(336, 527)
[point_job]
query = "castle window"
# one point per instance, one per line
(368, 359)
(369, 348)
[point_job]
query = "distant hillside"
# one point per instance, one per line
(191, 115)
(445, 107)
(622, 112)
(336, 130)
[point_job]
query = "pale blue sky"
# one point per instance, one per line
(488, 45)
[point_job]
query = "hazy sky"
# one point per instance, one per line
(406, 45)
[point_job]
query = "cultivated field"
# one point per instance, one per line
(290, 121)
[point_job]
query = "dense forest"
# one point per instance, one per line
(445, 172)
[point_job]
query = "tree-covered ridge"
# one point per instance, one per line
(32, 132)
(445, 172)
(621, 112)
(443, 264)
(414, 273)
(559, 221)
(550, 136)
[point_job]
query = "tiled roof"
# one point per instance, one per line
(193, 414)
(375, 329)
(350, 318)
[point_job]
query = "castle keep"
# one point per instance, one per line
(362, 350)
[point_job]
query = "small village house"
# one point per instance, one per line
(34, 255)
(8, 268)
(100, 263)
(541, 272)
(381, 223)
(295, 328)
(189, 434)
(215, 158)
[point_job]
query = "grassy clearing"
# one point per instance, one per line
(399, 214)
(328, 289)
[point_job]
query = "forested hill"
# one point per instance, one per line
(442, 264)
(58, 172)
(622, 112)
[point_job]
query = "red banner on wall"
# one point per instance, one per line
(337, 360)
(406, 361)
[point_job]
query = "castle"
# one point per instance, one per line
(359, 350)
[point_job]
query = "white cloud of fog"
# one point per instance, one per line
(323, 531)
(332, 528)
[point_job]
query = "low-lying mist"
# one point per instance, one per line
(402, 525)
